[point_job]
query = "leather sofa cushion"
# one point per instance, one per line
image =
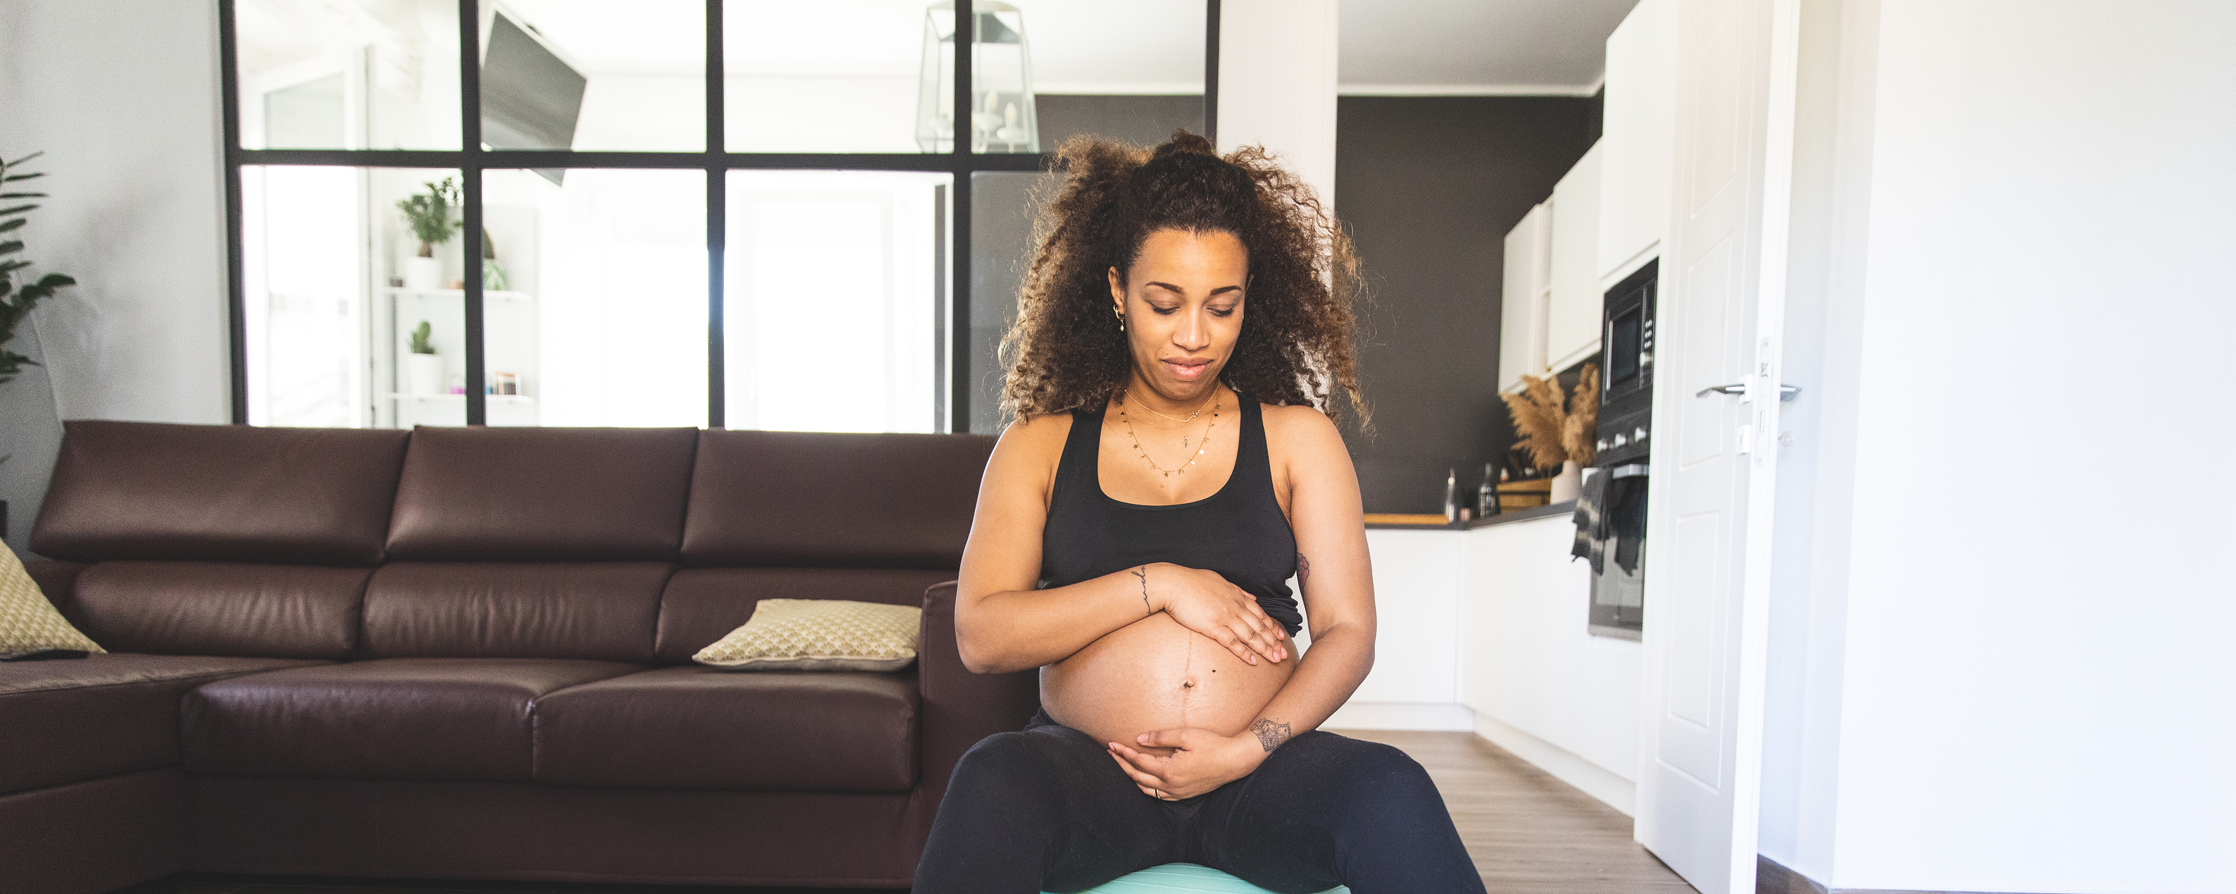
(831, 500)
(212, 608)
(697, 727)
(600, 611)
(63, 721)
(702, 605)
(543, 494)
(395, 718)
(143, 490)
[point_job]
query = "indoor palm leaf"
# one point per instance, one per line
(18, 299)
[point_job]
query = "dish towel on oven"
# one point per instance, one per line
(1592, 520)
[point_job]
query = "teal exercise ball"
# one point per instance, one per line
(1185, 877)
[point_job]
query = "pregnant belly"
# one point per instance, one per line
(1155, 674)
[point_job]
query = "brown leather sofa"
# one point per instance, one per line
(465, 653)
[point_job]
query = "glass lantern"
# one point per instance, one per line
(1001, 114)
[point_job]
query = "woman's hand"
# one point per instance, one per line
(1196, 761)
(1209, 604)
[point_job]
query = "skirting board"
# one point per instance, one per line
(1402, 715)
(1590, 778)
(1773, 878)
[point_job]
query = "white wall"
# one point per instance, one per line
(1277, 67)
(2000, 648)
(123, 98)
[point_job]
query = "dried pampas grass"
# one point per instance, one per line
(1581, 429)
(1555, 430)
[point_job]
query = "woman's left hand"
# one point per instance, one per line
(1187, 762)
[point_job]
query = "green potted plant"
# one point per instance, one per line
(17, 300)
(423, 369)
(429, 216)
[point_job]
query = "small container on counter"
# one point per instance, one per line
(1451, 495)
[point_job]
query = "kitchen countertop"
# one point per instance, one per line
(1509, 517)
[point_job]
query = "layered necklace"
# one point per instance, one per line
(1202, 443)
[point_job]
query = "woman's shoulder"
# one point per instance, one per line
(1034, 431)
(1287, 422)
(1301, 438)
(1032, 445)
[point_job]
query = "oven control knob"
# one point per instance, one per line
(1602, 444)
(1620, 440)
(1639, 435)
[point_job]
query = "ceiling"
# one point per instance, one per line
(1426, 47)
(1397, 47)
(1387, 47)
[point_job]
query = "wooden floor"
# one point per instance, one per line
(1527, 831)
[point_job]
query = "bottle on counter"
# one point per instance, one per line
(1486, 497)
(1451, 495)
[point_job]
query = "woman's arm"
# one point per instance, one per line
(1337, 578)
(1003, 624)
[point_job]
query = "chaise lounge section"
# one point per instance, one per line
(465, 653)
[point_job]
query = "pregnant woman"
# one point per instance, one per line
(1184, 324)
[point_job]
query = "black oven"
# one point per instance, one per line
(1626, 427)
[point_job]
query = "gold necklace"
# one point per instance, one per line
(1125, 394)
(1201, 445)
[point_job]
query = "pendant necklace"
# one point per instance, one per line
(1201, 445)
(1127, 394)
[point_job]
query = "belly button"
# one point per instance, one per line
(1189, 683)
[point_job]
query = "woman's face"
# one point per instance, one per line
(1182, 304)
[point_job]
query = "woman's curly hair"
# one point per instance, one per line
(1066, 350)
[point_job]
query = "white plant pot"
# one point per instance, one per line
(1569, 483)
(424, 373)
(423, 274)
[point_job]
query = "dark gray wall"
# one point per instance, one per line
(1140, 120)
(1429, 186)
(1001, 242)
(1002, 208)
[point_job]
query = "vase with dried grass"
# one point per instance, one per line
(1557, 431)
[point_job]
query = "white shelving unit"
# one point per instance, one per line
(510, 346)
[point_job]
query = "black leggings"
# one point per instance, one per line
(1048, 810)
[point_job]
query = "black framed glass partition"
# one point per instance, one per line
(669, 212)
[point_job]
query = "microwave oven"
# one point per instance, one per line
(1626, 395)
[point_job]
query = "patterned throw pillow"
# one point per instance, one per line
(27, 620)
(819, 635)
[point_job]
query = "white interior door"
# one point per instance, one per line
(1722, 301)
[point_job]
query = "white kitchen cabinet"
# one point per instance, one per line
(1575, 304)
(1523, 299)
(1539, 684)
(1416, 655)
(1639, 125)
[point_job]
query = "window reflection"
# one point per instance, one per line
(833, 279)
(348, 74)
(601, 319)
(335, 297)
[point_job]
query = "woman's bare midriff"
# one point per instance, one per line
(1155, 674)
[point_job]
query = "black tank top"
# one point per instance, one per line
(1238, 532)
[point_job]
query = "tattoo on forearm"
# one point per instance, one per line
(1270, 733)
(1143, 573)
(1304, 571)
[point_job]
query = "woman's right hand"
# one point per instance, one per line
(1209, 604)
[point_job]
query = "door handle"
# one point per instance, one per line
(1785, 392)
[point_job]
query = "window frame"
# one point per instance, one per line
(470, 160)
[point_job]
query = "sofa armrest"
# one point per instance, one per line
(961, 707)
(58, 581)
